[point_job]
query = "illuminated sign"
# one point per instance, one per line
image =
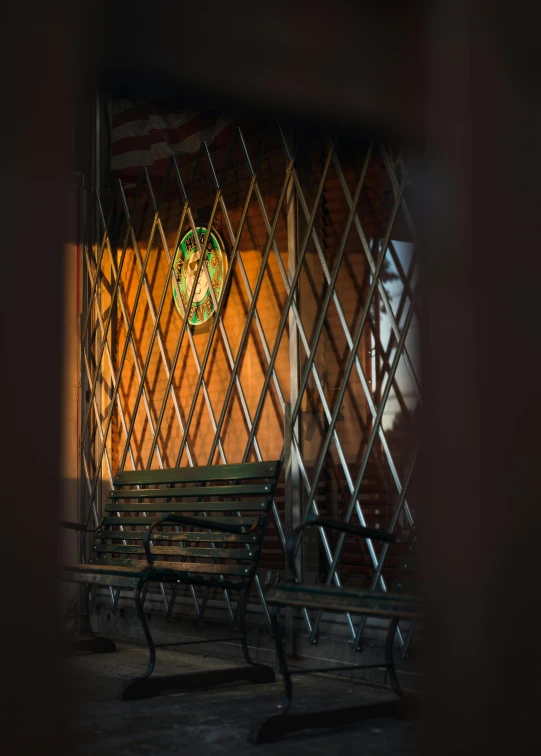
(185, 269)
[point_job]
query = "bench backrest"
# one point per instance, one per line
(239, 494)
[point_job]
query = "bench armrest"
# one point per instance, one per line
(200, 522)
(345, 527)
(78, 526)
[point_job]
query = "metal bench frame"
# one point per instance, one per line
(209, 567)
(395, 606)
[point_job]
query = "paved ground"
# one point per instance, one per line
(215, 721)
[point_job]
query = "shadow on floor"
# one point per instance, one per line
(214, 721)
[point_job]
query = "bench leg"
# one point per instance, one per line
(262, 672)
(389, 658)
(278, 726)
(144, 687)
(146, 630)
(242, 624)
(282, 659)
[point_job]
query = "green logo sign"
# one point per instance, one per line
(185, 269)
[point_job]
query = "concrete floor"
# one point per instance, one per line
(215, 721)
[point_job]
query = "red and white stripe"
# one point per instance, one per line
(145, 135)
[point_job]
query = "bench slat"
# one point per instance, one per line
(217, 536)
(249, 505)
(211, 569)
(142, 520)
(119, 581)
(238, 554)
(128, 577)
(119, 559)
(195, 492)
(242, 471)
(356, 602)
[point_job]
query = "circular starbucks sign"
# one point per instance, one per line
(185, 269)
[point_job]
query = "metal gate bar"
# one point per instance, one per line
(99, 361)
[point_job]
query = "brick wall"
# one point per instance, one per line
(332, 352)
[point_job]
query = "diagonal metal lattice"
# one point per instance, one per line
(314, 324)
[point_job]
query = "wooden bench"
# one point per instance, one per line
(393, 606)
(196, 526)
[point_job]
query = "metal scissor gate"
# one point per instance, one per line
(260, 299)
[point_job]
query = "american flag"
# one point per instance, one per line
(145, 135)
